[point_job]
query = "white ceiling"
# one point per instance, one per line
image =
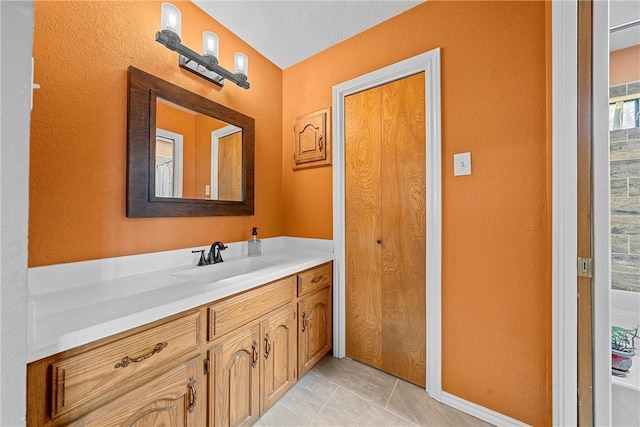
(287, 32)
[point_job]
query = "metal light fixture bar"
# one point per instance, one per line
(205, 66)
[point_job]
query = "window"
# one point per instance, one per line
(624, 113)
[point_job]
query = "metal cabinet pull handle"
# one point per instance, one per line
(317, 279)
(320, 143)
(304, 321)
(126, 361)
(267, 346)
(192, 391)
(254, 361)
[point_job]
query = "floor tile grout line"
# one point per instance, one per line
(332, 393)
(325, 404)
(375, 404)
(354, 390)
(391, 395)
(296, 413)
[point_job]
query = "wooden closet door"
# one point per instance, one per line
(385, 228)
(363, 227)
(230, 167)
(403, 227)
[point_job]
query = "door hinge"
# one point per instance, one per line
(206, 366)
(585, 267)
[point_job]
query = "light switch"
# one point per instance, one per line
(462, 164)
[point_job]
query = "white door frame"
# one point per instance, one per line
(429, 63)
(178, 155)
(564, 212)
(565, 184)
(601, 217)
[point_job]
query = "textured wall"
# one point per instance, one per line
(78, 133)
(496, 284)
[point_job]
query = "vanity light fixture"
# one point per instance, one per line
(205, 65)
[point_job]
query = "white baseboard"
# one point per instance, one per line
(480, 412)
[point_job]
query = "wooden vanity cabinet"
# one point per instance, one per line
(279, 355)
(253, 355)
(235, 379)
(222, 364)
(314, 316)
(252, 368)
(68, 387)
(314, 329)
(175, 398)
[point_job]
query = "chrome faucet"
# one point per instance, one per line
(214, 256)
(214, 253)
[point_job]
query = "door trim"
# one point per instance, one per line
(429, 63)
(564, 211)
(601, 217)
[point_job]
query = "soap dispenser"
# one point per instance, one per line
(254, 243)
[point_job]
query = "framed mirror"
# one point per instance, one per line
(186, 155)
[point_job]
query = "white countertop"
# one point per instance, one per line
(77, 303)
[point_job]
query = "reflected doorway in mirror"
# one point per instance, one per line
(169, 154)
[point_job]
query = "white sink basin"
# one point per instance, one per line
(224, 270)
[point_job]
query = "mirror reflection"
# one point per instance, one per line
(196, 156)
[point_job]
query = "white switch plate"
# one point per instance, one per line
(462, 164)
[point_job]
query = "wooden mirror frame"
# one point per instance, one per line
(141, 118)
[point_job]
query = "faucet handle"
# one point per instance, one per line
(202, 260)
(221, 246)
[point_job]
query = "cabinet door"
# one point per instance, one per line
(173, 399)
(279, 349)
(314, 328)
(235, 379)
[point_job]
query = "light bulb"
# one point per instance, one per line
(209, 44)
(171, 18)
(240, 63)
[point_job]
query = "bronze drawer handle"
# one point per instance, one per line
(126, 361)
(254, 347)
(267, 346)
(192, 398)
(304, 321)
(317, 279)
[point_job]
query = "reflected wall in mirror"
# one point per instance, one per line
(208, 155)
(187, 155)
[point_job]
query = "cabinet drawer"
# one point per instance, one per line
(79, 379)
(239, 310)
(315, 278)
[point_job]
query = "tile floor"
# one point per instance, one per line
(343, 392)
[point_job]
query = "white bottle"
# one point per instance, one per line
(254, 243)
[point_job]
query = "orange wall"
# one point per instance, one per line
(624, 66)
(496, 286)
(78, 130)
